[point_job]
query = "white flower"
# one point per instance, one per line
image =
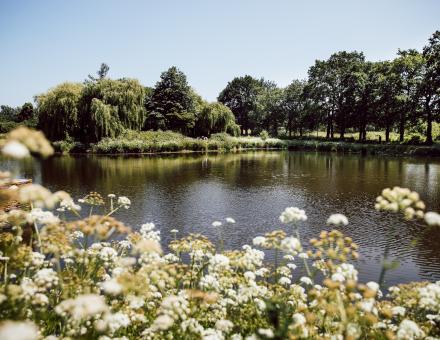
(337, 220)
(230, 220)
(82, 307)
(124, 202)
(267, 332)
(259, 241)
(111, 195)
(398, 310)
(174, 231)
(117, 321)
(290, 244)
(338, 277)
(306, 280)
(163, 322)
(46, 278)
(299, 319)
(408, 330)
(111, 287)
(216, 224)
(43, 217)
(432, 219)
(15, 330)
(292, 214)
(285, 281)
(15, 149)
(224, 325)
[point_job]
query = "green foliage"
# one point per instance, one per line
(215, 118)
(109, 106)
(58, 110)
(172, 102)
(168, 141)
(241, 95)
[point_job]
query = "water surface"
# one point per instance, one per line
(189, 192)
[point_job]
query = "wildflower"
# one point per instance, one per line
(432, 219)
(111, 287)
(306, 280)
(116, 321)
(111, 195)
(82, 307)
(230, 220)
(17, 330)
(409, 330)
(398, 310)
(124, 202)
(216, 224)
(285, 281)
(174, 231)
(163, 322)
(46, 278)
(15, 149)
(224, 325)
(43, 217)
(290, 244)
(337, 220)
(267, 332)
(259, 241)
(292, 214)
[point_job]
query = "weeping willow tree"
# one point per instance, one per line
(215, 118)
(58, 110)
(110, 106)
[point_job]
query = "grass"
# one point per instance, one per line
(167, 141)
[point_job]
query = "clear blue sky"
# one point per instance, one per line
(45, 42)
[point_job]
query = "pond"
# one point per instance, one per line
(189, 192)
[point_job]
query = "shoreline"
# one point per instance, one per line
(295, 145)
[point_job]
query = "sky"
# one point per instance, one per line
(46, 42)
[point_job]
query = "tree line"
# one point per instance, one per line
(342, 94)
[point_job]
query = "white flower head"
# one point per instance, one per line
(216, 224)
(432, 219)
(292, 214)
(230, 220)
(15, 330)
(337, 220)
(15, 149)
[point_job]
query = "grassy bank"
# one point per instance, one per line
(366, 149)
(132, 142)
(156, 142)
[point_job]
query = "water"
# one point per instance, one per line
(189, 192)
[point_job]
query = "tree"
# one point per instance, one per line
(107, 107)
(269, 111)
(429, 88)
(26, 112)
(58, 110)
(333, 84)
(215, 118)
(172, 103)
(387, 91)
(240, 95)
(408, 65)
(8, 113)
(294, 102)
(102, 73)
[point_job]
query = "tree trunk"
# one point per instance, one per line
(387, 133)
(328, 126)
(402, 126)
(429, 124)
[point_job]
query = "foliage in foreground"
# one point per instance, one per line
(93, 277)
